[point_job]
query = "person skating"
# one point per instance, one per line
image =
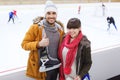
(110, 21)
(12, 16)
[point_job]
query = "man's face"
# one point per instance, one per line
(51, 17)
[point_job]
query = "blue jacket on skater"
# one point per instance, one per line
(12, 15)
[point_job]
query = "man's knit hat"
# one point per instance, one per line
(50, 6)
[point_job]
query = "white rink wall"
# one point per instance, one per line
(105, 63)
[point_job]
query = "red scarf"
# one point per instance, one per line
(72, 46)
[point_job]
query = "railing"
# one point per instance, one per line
(105, 63)
(19, 2)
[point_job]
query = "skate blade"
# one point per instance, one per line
(48, 69)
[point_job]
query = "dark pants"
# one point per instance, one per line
(10, 19)
(52, 74)
(113, 25)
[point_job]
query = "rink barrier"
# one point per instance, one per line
(105, 62)
(41, 6)
(96, 51)
(105, 48)
(12, 70)
(13, 2)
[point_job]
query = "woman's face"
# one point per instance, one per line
(74, 32)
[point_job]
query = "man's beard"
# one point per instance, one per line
(51, 23)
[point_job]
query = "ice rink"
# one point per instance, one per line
(13, 58)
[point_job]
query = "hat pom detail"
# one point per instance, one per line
(50, 6)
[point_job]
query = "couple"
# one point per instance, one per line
(72, 49)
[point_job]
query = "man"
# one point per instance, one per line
(111, 20)
(46, 34)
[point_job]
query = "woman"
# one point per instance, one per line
(74, 53)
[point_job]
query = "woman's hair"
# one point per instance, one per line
(74, 23)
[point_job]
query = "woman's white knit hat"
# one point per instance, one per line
(50, 6)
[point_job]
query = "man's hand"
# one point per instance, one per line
(44, 42)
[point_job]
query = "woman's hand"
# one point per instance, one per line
(77, 78)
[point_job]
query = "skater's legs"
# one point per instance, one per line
(13, 20)
(108, 26)
(9, 19)
(115, 26)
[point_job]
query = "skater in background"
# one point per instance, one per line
(103, 9)
(79, 8)
(111, 20)
(12, 15)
